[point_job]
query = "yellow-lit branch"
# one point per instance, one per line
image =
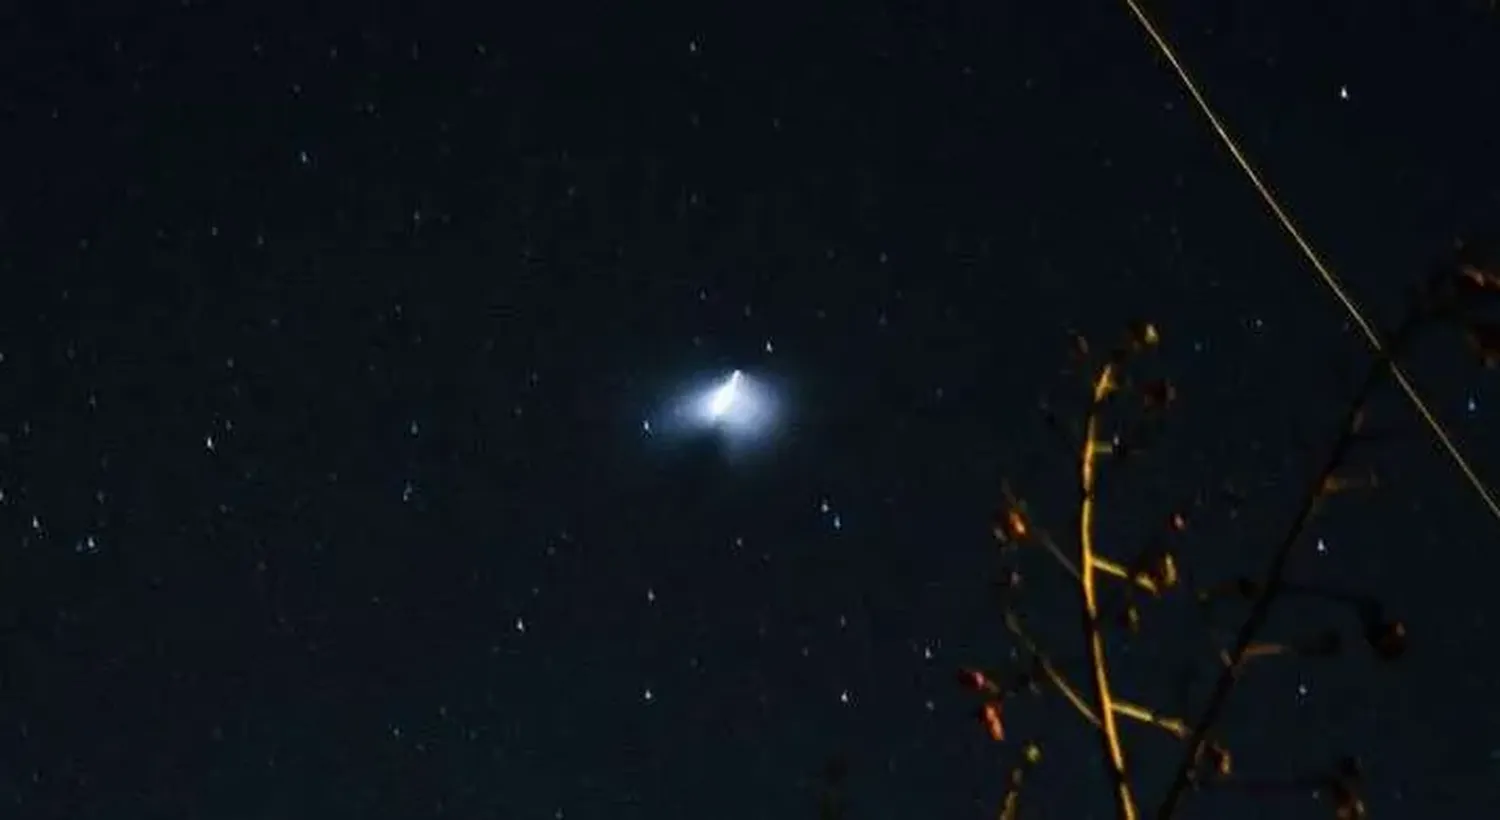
(1109, 732)
(1154, 585)
(1171, 725)
(1017, 527)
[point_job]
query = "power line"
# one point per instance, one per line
(1331, 281)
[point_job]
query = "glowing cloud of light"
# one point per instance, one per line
(726, 398)
(738, 408)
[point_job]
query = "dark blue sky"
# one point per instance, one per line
(328, 331)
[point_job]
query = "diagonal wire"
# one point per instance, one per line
(1371, 336)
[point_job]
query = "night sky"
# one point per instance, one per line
(350, 459)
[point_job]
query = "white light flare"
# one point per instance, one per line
(724, 399)
(738, 408)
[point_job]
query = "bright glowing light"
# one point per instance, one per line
(738, 407)
(723, 399)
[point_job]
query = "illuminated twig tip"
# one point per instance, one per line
(991, 715)
(1011, 805)
(976, 681)
(1144, 334)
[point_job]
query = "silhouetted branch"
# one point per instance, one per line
(1268, 589)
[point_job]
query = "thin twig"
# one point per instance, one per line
(1260, 607)
(1171, 725)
